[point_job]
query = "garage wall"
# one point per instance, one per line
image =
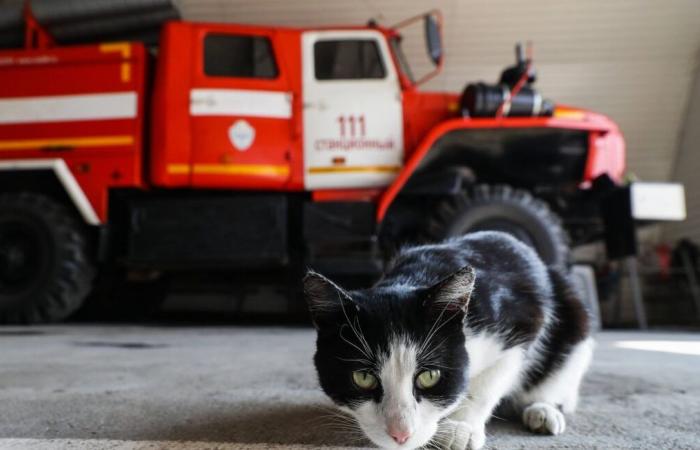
(687, 169)
(633, 60)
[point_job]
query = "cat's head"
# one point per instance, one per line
(394, 356)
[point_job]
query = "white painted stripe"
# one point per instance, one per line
(64, 175)
(64, 108)
(240, 102)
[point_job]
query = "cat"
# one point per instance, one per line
(449, 332)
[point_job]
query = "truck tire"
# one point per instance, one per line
(45, 268)
(502, 208)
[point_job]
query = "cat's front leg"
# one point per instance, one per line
(465, 427)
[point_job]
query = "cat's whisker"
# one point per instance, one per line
(439, 439)
(337, 416)
(345, 427)
(363, 361)
(431, 365)
(432, 350)
(431, 331)
(335, 422)
(367, 351)
(350, 343)
(340, 426)
(431, 444)
(361, 336)
(333, 416)
(445, 322)
(427, 356)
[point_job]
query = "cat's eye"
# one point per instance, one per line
(364, 380)
(428, 378)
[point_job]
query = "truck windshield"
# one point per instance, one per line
(401, 57)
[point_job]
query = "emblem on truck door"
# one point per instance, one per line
(241, 134)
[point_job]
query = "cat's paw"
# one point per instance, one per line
(544, 418)
(457, 435)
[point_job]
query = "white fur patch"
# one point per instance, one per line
(397, 373)
(493, 373)
(497, 373)
(398, 406)
(561, 387)
(484, 349)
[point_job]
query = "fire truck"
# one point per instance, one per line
(239, 149)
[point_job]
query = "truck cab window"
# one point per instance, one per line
(348, 60)
(238, 56)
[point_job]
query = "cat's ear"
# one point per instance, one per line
(324, 298)
(454, 292)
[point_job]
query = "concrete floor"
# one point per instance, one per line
(153, 387)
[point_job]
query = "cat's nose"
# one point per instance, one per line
(399, 435)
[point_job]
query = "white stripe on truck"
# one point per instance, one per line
(66, 108)
(240, 102)
(65, 177)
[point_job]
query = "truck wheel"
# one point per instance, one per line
(45, 270)
(502, 208)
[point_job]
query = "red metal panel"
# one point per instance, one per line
(171, 142)
(217, 159)
(101, 152)
(606, 155)
(197, 150)
(288, 44)
(424, 110)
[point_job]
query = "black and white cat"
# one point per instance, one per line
(449, 332)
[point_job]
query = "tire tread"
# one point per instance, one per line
(482, 194)
(72, 281)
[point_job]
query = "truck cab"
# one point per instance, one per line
(280, 109)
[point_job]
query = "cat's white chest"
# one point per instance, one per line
(484, 350)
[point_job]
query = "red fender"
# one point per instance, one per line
(564, 118)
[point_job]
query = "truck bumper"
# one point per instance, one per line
(625, 207)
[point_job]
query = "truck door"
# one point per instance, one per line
(240, 108)
(352, 110)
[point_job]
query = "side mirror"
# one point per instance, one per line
(432, 38)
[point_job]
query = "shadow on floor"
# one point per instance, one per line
(314, 425)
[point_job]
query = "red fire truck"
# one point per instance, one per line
(243, 148)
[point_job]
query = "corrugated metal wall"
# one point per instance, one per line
(633, 60)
